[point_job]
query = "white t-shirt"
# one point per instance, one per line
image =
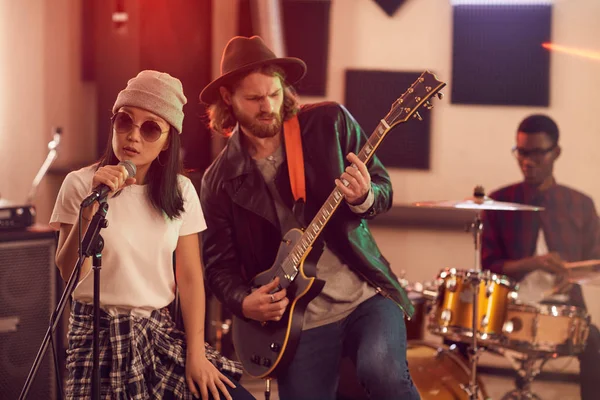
(536, 285)
(137, 259)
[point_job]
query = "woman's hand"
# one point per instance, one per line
(203, 375)
(113, 176)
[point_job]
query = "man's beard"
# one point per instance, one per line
(257, 129)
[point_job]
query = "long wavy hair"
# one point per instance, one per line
(220, 115)
(163, 186)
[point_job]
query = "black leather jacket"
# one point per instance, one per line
(243, 232)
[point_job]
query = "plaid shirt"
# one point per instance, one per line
(140, 358)
(569, 222)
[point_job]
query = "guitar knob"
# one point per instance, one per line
(417, 116)
(440, 95)
(275, 347)
(266, 362)
(428, 105)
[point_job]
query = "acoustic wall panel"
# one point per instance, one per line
(498, 58)
(369, 97)
(306, 35)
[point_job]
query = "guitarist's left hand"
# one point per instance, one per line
(359, 181)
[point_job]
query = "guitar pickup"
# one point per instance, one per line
(255, 359)
(263, 361)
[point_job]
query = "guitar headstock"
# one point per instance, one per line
(416, 96)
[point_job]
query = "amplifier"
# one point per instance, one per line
(16, 216)
(29, 287)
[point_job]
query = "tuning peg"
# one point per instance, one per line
(417, 116)
(428, 105)
(440, 95)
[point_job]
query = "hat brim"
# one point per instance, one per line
(294, 68)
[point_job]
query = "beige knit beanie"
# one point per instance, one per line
(157, 92)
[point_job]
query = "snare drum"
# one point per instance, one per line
(452, 314)
(439, 373)
(546, 328)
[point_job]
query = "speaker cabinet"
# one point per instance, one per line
(28, 292)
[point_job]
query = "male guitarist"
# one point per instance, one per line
(248, 200)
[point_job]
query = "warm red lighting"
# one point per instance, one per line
(594, 55)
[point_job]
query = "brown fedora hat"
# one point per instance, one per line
(243, 54)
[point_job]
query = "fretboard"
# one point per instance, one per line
(314, 229)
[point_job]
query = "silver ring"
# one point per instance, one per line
(272, 299)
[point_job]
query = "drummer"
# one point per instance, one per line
(532, 247)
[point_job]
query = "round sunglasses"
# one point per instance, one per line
(123, 123)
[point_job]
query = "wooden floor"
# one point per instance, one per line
(495, 386)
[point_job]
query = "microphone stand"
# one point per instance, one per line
(52, 154)
(91, 245)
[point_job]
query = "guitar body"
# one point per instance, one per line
(267, 347)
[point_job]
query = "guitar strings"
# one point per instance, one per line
(301, 246)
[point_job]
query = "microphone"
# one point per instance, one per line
(102, 190)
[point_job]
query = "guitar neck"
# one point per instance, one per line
(314, 229)
(405, 107)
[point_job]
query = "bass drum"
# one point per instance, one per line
(439, 373)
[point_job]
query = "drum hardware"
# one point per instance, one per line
(485, 321)
(528, 367)
(536, 333)
(430, 295)
(477, 230)
(446, 315)
(478, 203)
(451, 285)
(491, 322)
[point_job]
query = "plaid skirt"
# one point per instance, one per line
(140, 358)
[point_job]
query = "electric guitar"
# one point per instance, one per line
(264, 348)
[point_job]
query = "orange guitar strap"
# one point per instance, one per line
(295, 157)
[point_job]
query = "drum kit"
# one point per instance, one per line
(481, 310)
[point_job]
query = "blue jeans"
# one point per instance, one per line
(373, 336)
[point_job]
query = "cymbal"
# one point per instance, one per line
(477, 203)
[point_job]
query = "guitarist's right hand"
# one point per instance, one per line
(261, 305)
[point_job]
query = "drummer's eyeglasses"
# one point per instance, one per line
(534, 154)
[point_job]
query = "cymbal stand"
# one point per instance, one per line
(528, 366)
(476, 229)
